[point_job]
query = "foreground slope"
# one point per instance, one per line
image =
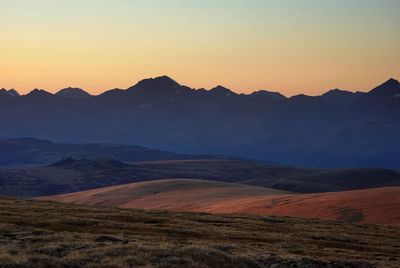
(42, 234)
(374, 206)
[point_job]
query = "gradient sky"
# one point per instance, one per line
(292, 46)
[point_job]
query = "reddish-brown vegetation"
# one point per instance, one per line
(373, 206)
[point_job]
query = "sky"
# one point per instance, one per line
(291, 46)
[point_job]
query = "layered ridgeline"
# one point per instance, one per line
(71, 175)
(337, 129)
(29, 151)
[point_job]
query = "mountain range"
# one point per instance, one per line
(336, 129)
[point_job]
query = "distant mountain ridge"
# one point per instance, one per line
(9, 93)
(337, 129)
(166, 82)
(29, 151)
(342, 97)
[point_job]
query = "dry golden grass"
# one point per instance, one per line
(44, 234)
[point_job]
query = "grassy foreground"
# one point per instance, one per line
(43, 234)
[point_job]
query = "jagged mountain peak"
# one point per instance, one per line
(74, 93)
(391, 88)
(269, 94)
(159, 82)
(12, 92)
(392, 81)
(341, 97)
(222, 91)
(39, 92)
(9, 93)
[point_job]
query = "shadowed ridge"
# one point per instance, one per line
(27, 141)
(86, 164)
(341, 97)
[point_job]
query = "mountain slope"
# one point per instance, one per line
(373, 206)
(171, 194)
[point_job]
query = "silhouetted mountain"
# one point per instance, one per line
(382, 104)
(38, 94)
(73, 93)
(267, 95)
(338, 129)
(157, 84)
(4, 93)
(13, 93)
(389, 89)
(222, 91)
(7, 94)
(341, 97)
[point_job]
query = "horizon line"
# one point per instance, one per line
(54, 92)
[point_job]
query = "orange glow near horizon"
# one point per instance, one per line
(243, 45)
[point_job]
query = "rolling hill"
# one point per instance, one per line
(73, 175)
(169, 194)
(47, 234)
(373, 206)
